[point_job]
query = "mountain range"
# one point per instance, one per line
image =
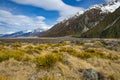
(99, 21)
(25, 33)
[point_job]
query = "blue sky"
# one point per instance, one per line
(17, 15)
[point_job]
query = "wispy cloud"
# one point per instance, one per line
(58, 5)
(20, 22)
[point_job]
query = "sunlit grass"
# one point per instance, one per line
(4, 78)
(48, 78)
(48, 60)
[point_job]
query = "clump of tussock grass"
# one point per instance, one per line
(48, 60)
(90, 53)
(15, 54)
(2, 47)
(16, 45)
(27, 58)
(55, 51)
(58, 44)
(4, 78)
(31, 49)
(48, 78)
(98, 43)
(69, 50)
(115, 76)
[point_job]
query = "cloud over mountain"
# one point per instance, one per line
(58, 5)
(19, 22)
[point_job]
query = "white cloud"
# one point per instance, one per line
(20, 22)
(58, 5)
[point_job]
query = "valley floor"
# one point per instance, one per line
(59, 59)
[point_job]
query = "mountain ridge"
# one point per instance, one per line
(97, 31)
(80, 24)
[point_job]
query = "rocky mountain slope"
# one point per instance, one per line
(80, 24)
(108, 27)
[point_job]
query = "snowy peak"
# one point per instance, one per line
(108, 7)
(37, 30)
(25, 33)
(111, 7)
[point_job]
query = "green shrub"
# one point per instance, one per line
(48, 60)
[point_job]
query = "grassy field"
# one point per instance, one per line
(59, 59)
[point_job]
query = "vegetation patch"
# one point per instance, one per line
(48, 60)
(4, 78)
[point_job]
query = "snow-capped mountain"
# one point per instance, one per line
(25, 33)
(82, 23)
(108, 7)
(76, 25)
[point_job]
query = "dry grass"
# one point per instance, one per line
(57, 61)
(48, 60)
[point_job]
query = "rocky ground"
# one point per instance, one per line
(59, 59)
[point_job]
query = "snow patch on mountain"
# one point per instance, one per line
(111, 7)
(27, 31)
(106, 8)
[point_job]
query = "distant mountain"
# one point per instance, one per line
(1, 35)
(109, 27)
(26, 33)
(81, 23)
